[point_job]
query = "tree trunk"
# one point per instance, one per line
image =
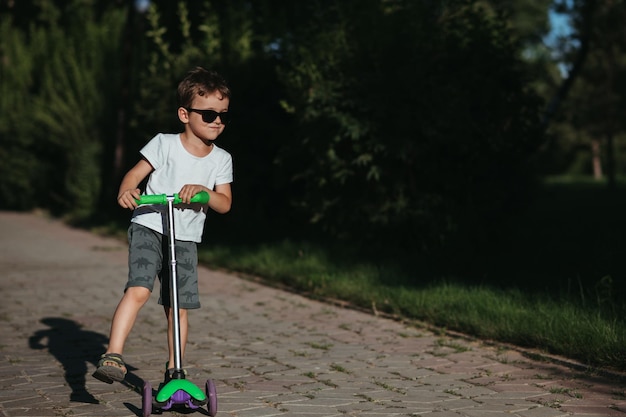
(596, 159)
(610, 161)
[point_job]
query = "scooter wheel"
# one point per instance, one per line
(211, 394)
(146, 399)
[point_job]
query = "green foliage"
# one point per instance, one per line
(415, 121)
(179, 36)
(588, 130)
(595, 108)
(60, 131)
(18, 165)
(72, 103)
(528, 19)
(419, 157)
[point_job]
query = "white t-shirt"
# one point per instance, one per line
(173, 168)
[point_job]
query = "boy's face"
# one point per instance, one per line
(205, 125)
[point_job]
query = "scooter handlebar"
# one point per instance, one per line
(202, 197)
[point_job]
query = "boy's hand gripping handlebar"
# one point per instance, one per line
(202, 197)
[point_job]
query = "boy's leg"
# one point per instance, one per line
(187, 281)
(184, 326)
(144, 260)
(125, 315)
(111, 366)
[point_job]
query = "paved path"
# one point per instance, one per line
(270, 353)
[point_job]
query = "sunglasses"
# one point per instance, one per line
(209, 116)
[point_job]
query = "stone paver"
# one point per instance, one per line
(269, 352)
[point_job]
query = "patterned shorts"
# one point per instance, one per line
(148, 257)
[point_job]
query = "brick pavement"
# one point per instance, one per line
(270, 353)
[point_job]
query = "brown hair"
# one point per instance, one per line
(200, 81)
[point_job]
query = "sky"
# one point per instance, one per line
(560, 27)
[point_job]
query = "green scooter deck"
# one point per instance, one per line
(166, 392)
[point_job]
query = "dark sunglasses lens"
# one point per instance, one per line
(209, 116)
(225, 117)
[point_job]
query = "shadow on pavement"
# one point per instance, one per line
(74, 347)
(133, 408)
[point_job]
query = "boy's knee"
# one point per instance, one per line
(138, 294)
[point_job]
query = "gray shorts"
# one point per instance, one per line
(148, 257)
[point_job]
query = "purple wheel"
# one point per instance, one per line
(211, 394)
(146, 399)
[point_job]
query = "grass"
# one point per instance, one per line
(508, 315)
(551, 278)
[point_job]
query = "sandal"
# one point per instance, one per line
(111, 368)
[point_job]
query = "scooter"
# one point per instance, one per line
(177, 392)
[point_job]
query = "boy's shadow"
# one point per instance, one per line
(74, 348)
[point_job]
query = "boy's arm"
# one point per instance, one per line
(220, 199)
(129, 192)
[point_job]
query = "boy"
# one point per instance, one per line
(185, 163)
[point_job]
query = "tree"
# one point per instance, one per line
(18, 164)
(591, 116)
(413, 118)
(68, 117)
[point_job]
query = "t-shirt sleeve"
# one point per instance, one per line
(154, 151)
(225, 172)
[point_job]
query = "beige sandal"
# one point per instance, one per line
(111, 368)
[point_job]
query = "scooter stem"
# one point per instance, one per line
(174, 287)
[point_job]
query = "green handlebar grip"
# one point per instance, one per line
(202, 197)
(152, 199)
